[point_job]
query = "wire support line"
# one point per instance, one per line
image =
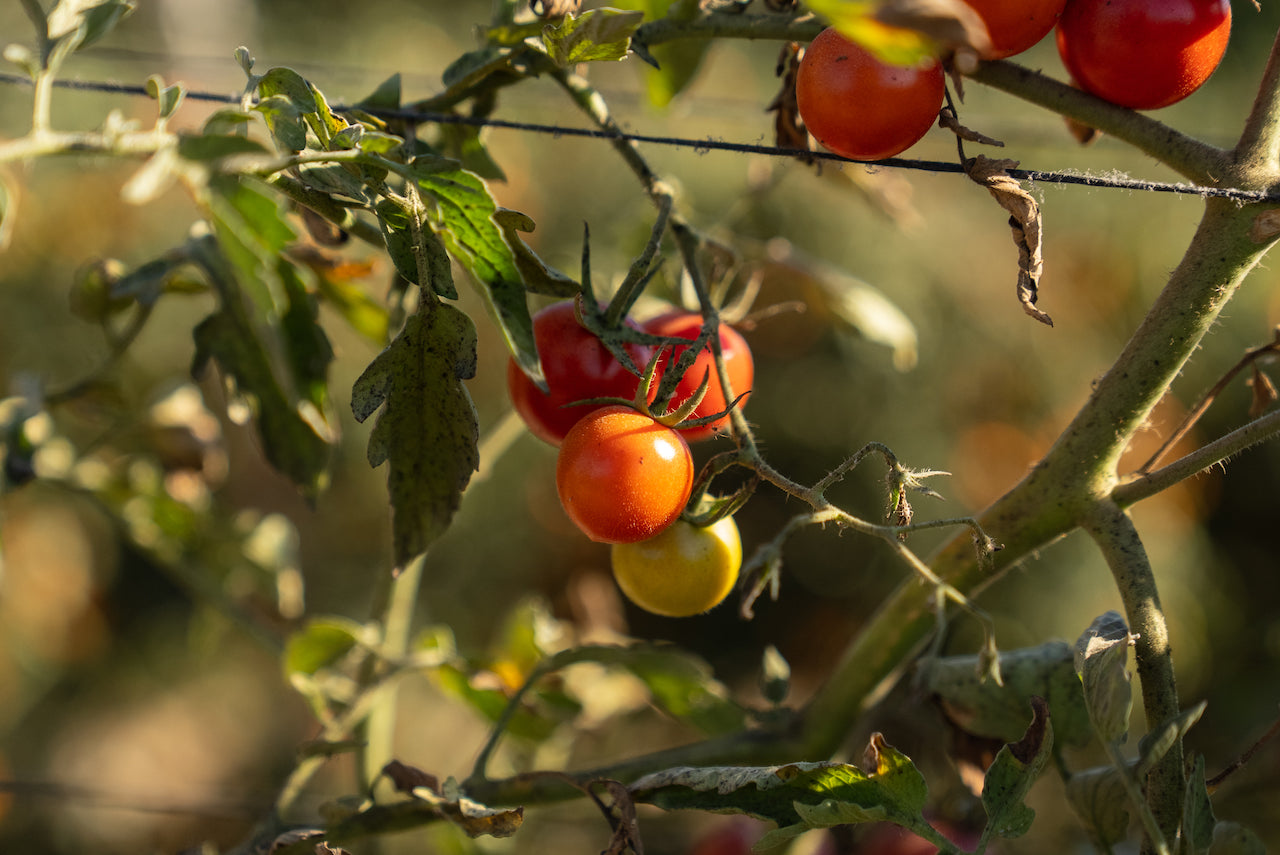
(708, 144)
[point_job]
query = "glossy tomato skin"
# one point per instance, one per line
(623, 477)
(737, 361)
(682, 571)
(860, 107)
(1143, 54)
(1016, 25)
(576, 366)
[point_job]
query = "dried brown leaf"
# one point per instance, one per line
(1024, 223)
(948, 119)
(1264, 393)
(406, 778)
(620, 811)
(788, 130)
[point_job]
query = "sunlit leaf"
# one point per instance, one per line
(597, 34)
(427, 429)
(538, 276)
(856, 21)
(319, 644)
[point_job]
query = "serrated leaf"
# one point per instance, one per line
(319, 644)
(463, 216)
(895, 790)
(1099, 799)
(595, 35)
(538, 276)
(999, 712)
(393, 219)
(1015, 769)
(1100, 658)
(1198, 820)
(428, 428)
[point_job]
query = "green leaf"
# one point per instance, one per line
(83, 22)
(319, 644)
(366, 315)
(1000, 712)
(1198, 820)
(284, 121)
(463, 216)
(1230, 838)
(291, 86)
(473, 67)
(595, 35)
(678, 65)
(427, 429)
(396, 232)
(207, 147)
(856, 22)
(1099, 799)
(167, 98)
(1011, 775)
(1100, 658)
(333, 179)
(385, 97)
(825, 792)
(525, 723)
(1158, 741)
(538, 276)
(679, 683)
(462, 143)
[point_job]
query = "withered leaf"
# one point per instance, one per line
(1264, 393)
(406, 778)
(788, 130)
(1024, 222)
(949, 120)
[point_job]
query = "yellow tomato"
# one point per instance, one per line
(683, 571)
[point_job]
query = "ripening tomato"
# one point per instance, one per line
(623, 477)
(862, 108)
(576, 366)
(1016, 25)
(1143, 54)
(737, 361)
(683, 571)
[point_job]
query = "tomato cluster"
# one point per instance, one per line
(623, 475)
(1142, 54)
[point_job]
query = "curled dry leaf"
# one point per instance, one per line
(620, 811)
(1024, 222)
(1264, 393)
(949, 120)
(788, 130)
(406, 778)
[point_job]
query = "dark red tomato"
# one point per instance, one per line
(623, 477)
(1143, 54)
(1016, 25)
(576, 365)
(737, 360)
(862, 108)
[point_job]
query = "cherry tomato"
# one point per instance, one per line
(737, 361)
(576, 366)
(1142, 53)
(1016, 25)
(860, 107)
(685, 570)
(623, 477)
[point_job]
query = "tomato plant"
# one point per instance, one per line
(1016, 25)
(737, 359)
(622, 476)
(1143, 54)
(860, 107)
(576, 366)
(683, 571)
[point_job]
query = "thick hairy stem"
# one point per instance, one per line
(1113, 531)
(1062, 490)
(1258, 152)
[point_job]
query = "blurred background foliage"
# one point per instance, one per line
(135, 718)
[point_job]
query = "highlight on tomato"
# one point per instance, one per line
(737, 362)
(1140, 53)
(683, 571)
(576, 367)
(860, 107)
(622, 476)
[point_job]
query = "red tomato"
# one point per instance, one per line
(1016, 25)
(860, 107)
(576, 365)
(623, 477)
(737, 360)
(1143, 54)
